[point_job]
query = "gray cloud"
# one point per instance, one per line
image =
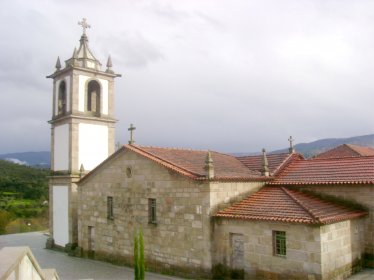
(234, 76)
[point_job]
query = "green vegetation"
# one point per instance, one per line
(139, 263)
(23, 196)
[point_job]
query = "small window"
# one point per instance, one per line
(152, 211)
(110, 207)
(279, 243)
(128, 172)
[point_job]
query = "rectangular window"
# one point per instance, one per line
(91, 238)
(152, 211)
(279, 243)
(110, 207)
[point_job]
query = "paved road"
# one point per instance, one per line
(70, 268)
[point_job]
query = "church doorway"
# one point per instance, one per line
(237, 251)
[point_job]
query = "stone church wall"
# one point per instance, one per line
(363, 195)
(342, 247)
(334, 246)
(224, 194)
(179, 242)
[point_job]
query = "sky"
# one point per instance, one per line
(225, 75)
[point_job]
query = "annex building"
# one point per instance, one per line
(203, 213)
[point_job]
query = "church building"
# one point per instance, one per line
(203, 213)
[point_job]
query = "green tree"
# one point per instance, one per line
(139, 263)
(5, 218)
(141, 256)
(136, 256)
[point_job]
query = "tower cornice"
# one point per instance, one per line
(92, 71)
(82, 117)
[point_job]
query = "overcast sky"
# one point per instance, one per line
(229, 75)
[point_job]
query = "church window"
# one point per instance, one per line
(279, 243)
(93, 97)
(91, 238)
(110, 207)
(61, 106)
(128, 172)
(152, 211)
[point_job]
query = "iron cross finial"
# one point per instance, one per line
(291, 149)
(131, 129)
(84, 25)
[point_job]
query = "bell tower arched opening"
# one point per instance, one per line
(93, 98)
(61, 108)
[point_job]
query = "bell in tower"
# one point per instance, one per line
(82, 132)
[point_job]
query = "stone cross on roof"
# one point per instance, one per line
(84, 25)
(131, 129)
(292, 148)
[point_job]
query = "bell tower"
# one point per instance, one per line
(82, 132)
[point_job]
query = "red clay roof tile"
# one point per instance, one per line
(346, 150)
(276, 161)
(191, 162)
(285, 205)
(352, 170)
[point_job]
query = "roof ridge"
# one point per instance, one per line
(340, 158)
(285, 163)
(352, 148)
(171, 148)
(315, 218)
(259, 155)
(184, 149)
(166, 162)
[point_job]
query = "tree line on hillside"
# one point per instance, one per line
(23, 192)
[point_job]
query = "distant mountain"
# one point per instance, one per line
(41, 159)
(319, 146)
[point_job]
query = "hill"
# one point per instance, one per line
(319, 146)
(27, 182)
(322, 145)
(41, 159)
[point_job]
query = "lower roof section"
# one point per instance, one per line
(281, 204)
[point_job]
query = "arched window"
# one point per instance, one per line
(93, 97)
(61, 99)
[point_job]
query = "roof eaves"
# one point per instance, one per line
(261, 218)
(243, 179)
(293, 183)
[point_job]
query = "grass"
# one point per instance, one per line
(27, 225)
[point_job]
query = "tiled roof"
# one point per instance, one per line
(284, 205)
(276, 161)
(346, 150)
(191, 163)
(350, 170)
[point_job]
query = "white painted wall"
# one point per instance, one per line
(61, 215)
(104, 96)
(68, 95)
(61, 148)
(81, 91)
(93, 145)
